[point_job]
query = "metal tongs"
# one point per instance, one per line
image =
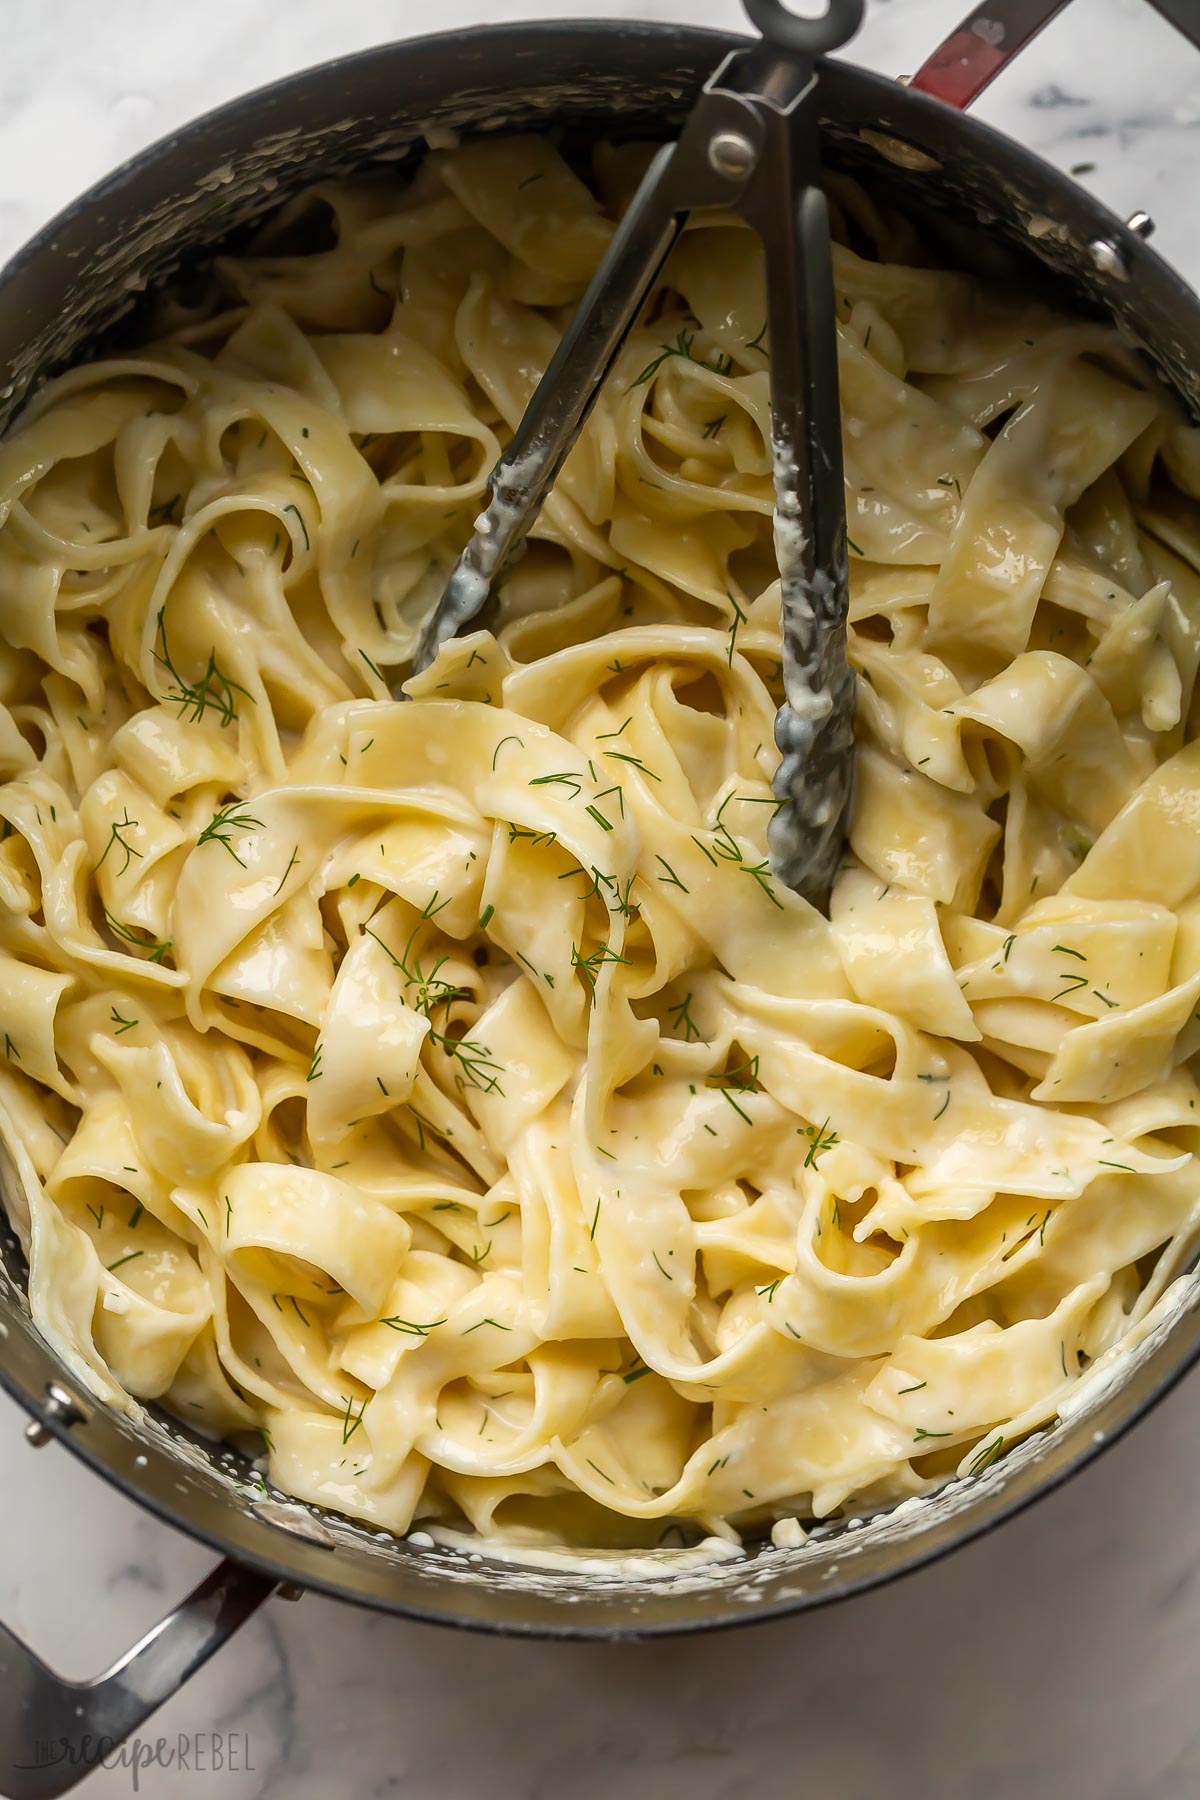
(750, 143)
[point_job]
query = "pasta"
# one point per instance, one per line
(441, 1093)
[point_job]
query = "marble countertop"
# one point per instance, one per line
(1054, 1659)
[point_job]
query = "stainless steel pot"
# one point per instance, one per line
(993, 207)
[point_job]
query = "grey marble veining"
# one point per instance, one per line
(1055, 1660)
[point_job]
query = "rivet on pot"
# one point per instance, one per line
(62, 1408)
(1141, 223)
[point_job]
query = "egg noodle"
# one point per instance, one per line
(446, 1089)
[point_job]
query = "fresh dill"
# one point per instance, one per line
(291, 865)
(122, 1024)
(223, 824)
(352, 1420)
(820, 1139)
(214, 690)
(563, 779)
(510, 739)
(635, 761)
(291, 508)
(590, 966)
(985, 1456)
(739, 618)
(128, 934)
(125, 823)
(681, 1016)
(429, 991)
(681, 347)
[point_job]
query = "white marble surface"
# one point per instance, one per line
(1054, 1661)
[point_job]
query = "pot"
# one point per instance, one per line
(990, 205)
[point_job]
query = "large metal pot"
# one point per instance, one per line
(996, 208)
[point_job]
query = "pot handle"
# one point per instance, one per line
(991, 35)
(53, 1731)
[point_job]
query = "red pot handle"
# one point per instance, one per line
(994, 31)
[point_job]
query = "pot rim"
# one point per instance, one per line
(993, 1501)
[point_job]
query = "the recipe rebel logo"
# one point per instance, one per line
(196, 1752)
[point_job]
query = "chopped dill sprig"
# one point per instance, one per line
(635, 761)
(536, 838)
(214, 691)
(563, 779)
(410, 1326)
(224, 823)
(739, 618)
(820, 1139)
(292, 508)
(125, 823)
(510, 739)
(682, 347)
(743, 1079)
(129, 935)
(590, 966)
(122, 1024)
(291, 865)
(352, 1421)
(682, 1016)
(985, 1456)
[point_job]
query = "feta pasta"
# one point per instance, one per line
(439, 1093)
